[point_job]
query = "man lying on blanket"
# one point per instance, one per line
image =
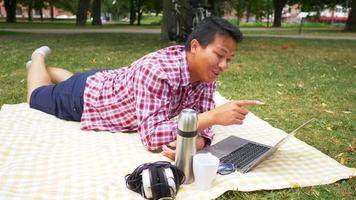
(146, 95)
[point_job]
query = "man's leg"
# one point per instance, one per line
(58, 74)
(62, 94)
(37, 74)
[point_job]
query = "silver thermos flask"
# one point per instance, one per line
(186, 142)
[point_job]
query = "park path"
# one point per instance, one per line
(158, 31)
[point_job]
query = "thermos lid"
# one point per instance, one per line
(188, 120)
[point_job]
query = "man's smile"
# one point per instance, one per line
(216, 73)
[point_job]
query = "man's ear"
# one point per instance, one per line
(194, 45)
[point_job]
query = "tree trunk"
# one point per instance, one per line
(166, 24)
(96, 9)
(139, 12)
(351, 21)
(248, 11)
(52, 13)
(268, 12)
(10, 7)
(186, 19)
(212, 6)
(332, 15)
(29, 12)
(240, 9)
(132, 11)
(278, 7)
(82, 11)
(41, 14)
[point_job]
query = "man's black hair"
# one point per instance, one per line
(207, 29)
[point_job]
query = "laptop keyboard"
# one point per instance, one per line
(244, 155)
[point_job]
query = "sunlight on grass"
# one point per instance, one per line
(298, 80)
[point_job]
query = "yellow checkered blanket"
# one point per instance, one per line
(42, 157)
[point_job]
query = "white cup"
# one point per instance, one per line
(205, 167)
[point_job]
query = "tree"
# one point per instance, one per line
(139, 11)
(83, 6)
(10, 7)
(39, 5)
(261, 8)
(33, 4)
(169, 21)
(318, 5)
(351, 21)
(166, 23)
(29, 11)
(138, 7)
(278, 7)
(219, 7)
(115, 9)
(156, 5)
(68, 5)
(132, 5)
(268, 10)
(51, 7)
(186, 19)
(248, 10)
(96, 11)
(240, 7)
(256, 8)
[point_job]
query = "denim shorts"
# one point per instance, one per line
(63, 100)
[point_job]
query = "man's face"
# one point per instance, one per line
(209, 62)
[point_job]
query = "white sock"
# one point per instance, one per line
(28, 64)
(44, 51)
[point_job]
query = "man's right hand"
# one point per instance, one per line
(233, 112)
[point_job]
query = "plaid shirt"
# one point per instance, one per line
(146, 96)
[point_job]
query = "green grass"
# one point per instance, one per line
(305, 32)
(298, 79)
(152, 22)
(288, 24)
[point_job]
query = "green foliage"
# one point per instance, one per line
(68, 5)
(318, 5)
(259, 8)
(239, 6)
(116, 8)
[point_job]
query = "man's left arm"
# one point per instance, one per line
(205, 104)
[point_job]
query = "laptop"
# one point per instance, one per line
(245, 154)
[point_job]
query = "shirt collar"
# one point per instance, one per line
(185, 72)
(184, 69)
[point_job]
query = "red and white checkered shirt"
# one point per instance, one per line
(145, 97)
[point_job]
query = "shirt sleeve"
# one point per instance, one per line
(153, 95)
(206, 103)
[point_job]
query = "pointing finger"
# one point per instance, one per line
(249, 103)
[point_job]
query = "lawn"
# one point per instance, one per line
(152, 22)
(298, 80)
(311, 32)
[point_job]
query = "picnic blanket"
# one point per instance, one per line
(42, 157)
